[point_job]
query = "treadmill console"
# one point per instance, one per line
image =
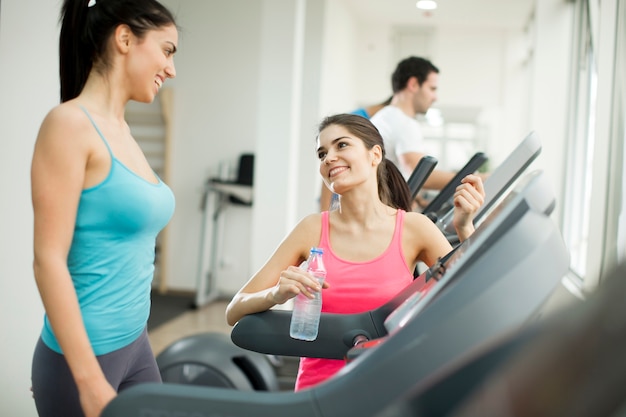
(500, 180)
(536, 196)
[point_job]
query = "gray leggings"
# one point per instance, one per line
(54, 389)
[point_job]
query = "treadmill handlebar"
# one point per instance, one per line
(438, 204)
(420, 174)
(268, 332)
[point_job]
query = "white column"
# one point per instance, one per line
(287, 70)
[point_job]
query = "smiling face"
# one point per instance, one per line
(151, 62)
(345, 161)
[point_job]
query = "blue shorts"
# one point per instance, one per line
(54, 388)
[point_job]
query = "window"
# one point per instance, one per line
(594, 228)
(619, 133)
(452, 135)
(581, 142)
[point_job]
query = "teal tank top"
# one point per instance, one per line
(111, 259)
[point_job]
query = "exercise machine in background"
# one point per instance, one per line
(443, 201)
(212, 360)
(420, 174)
(219, 193)
(496, 185)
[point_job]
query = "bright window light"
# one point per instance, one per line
(426, 4)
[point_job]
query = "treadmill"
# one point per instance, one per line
(491, 283)
(420, 174)
(496, 185)
(443, 201)
(568, 364)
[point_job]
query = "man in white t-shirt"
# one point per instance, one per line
(414, 84)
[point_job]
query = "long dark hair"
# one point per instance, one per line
(392, 187)
(86, 29)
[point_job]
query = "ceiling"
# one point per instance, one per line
(486, 13)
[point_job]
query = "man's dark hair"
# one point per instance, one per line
(412, 66)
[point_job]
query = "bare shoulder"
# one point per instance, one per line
(69, 113)
(419, 227)
(296, 245)
(66, 138)
(311, 220)
(310, 227)
(418, 222)
(64, 123)
(304, 235)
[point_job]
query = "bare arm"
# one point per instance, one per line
(57, 175)
(279, 279)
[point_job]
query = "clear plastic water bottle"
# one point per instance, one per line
(305, 318)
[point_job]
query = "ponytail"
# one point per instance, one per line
(392, 187)
(86, 27)
(75, 53)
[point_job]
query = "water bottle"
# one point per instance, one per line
(305, 318)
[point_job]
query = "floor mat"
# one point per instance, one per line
(165, 307)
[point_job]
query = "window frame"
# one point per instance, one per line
(606, 129)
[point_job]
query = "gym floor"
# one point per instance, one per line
(211, 318)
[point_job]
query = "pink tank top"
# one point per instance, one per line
(355, 287)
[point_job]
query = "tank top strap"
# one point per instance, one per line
(97, 130)
(324, 239)
(400, 219)
(397, 234)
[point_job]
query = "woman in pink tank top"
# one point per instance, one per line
(371, 244)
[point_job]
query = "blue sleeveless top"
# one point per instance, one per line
(111, 259)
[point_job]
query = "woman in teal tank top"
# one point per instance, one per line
(371, 244)
(98, 207)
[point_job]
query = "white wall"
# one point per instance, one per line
(29, 88)
(215, 118)
(290, 94)
(248, 77)
(339, 88)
